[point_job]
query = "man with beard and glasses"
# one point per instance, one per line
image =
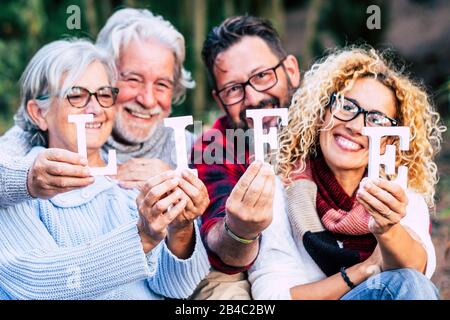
(249, 69)
(149, 54)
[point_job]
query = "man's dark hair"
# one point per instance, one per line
(231, 31)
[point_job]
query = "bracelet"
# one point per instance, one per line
(347, 279)
(236, 237)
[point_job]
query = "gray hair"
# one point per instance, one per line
(42, 78)
(130, 24)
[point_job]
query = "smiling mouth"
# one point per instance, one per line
(347, 144)
(93, 125)
(140, 115)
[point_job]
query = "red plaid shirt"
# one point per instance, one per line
(220, 180)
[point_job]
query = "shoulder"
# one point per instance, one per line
(15, 131)
(16, 141)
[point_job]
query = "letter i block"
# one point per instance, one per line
(179, 124)
(80, 121)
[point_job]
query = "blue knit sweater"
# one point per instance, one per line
(84, 244)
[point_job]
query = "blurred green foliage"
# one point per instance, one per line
(26, 25)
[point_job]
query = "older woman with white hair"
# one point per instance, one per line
(97, 242)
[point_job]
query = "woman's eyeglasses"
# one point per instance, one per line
(348, 109)
(79, 97)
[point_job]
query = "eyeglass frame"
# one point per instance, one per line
(114, 90)
(394, 122)
(246, 83)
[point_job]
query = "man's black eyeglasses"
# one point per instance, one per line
(261, 81)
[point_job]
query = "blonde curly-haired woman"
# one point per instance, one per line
(333, 230)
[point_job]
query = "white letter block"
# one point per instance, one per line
(388, 159)
(270, 138)
(179, 124)
(80, 121)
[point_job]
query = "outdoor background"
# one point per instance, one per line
(417, 31)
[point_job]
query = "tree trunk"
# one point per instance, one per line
(274, 11)
(91, 17)
(199, 34)
(229, 8)
(311, 32)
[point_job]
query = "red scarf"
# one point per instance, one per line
(341, 214)
(332, 225)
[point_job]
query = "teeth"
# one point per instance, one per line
(347, 143)
(140, 115)
(93, 125)
(154, 112)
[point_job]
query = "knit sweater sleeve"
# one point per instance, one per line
(33, 266)
(13, 180)
(14, 145)
(178, 278)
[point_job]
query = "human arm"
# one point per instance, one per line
(14, 145)
(168, 205)
(400, 246)
(247, 211)
(178, 278)
(34, 266)
(183, 261)
(43, 175)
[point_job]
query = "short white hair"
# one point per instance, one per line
(140, 24)
(42, 78)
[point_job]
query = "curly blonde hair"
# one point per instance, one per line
(336, 73)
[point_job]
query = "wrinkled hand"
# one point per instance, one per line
(197, 199)
(159, 203)
(249, 206)
(57, 171)
(135, 172)
(386, 202)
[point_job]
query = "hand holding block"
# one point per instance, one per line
(388, 159)
(270, 138)
(179, 124)
(80, 121)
